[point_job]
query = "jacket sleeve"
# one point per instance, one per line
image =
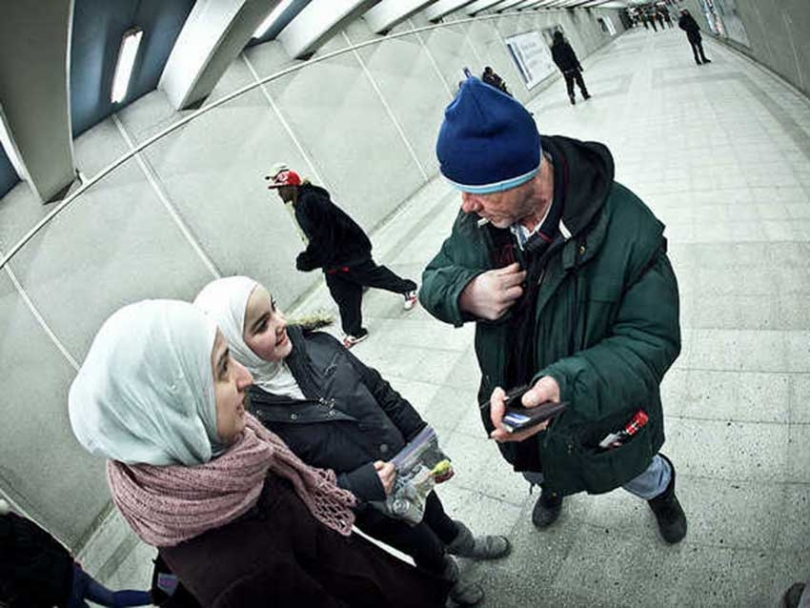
(555, 56)
(443, 280)
(290, 586)
(627, 367)
(396, 407)
(363, 482)
(575, 58)
(318, 221)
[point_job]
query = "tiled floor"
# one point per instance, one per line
(721, 153)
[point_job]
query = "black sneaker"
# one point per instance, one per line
(668, 512)
(547, 509)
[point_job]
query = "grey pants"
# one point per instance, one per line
(648, 485)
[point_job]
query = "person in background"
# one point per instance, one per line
(493, 79)
(339, 247)
(566, 59)
(37, 571)
(664, 12)
(660, 16)
(235, 515)
(335, 412)
(688, 24)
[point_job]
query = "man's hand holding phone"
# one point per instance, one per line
(545, 390)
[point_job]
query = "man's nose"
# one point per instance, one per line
(470, 203)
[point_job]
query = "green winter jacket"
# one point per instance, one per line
(606, 326)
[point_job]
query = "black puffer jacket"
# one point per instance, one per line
(351, 417)
(564, 56)
(35, 569)
(335, 239)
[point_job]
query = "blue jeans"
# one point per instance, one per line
(86, 587)
(648, 485)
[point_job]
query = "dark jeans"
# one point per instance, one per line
(570, 77)
(425, 542)
(346, 284)
(697, 47)
(86, 587)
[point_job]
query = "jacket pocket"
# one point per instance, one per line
(573, 461)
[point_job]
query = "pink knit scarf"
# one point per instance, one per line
(168, 505)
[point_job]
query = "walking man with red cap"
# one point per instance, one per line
(565, 273)
(339, 247)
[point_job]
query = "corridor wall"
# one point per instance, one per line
(193, 205)
(777, 31)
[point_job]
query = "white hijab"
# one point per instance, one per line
(145, 392)
(225, 301)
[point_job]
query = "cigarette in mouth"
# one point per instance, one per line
(483, 222)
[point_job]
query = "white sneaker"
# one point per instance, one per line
(349, 341)
(410, 300)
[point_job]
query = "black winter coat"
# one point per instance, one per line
(335, 239)
(565, 57)
(351, 417)
(688, 24)
(36, 571)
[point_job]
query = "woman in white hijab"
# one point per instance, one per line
(236, 515)
(335, 412)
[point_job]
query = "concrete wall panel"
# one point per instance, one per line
(342, 123)
(213, 172)
(115, 246)
(416, 93)
(42, 467)
(777, 32)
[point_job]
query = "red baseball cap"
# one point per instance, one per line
(282, 175)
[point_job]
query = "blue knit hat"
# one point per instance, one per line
(488, 141)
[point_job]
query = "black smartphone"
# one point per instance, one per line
(519, 418)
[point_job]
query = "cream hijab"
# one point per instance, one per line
(145, 392)
(225, 301)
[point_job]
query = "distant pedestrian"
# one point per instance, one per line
(667, 17)
(340, 248)
(660, 17)
(651, 19)
(566, 59)
(491, 78)
(643, 18)
(36, 571)
(688, 24)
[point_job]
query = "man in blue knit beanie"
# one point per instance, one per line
(565, 274)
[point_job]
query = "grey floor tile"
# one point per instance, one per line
(732, 451)
(800, 398)
(798, 456)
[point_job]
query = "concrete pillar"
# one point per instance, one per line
(480, 5)
(444, 7)
(214, 34)
(34, 92)
(317, 23)
(388, 13)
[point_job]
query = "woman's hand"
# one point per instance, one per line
(387, 473)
